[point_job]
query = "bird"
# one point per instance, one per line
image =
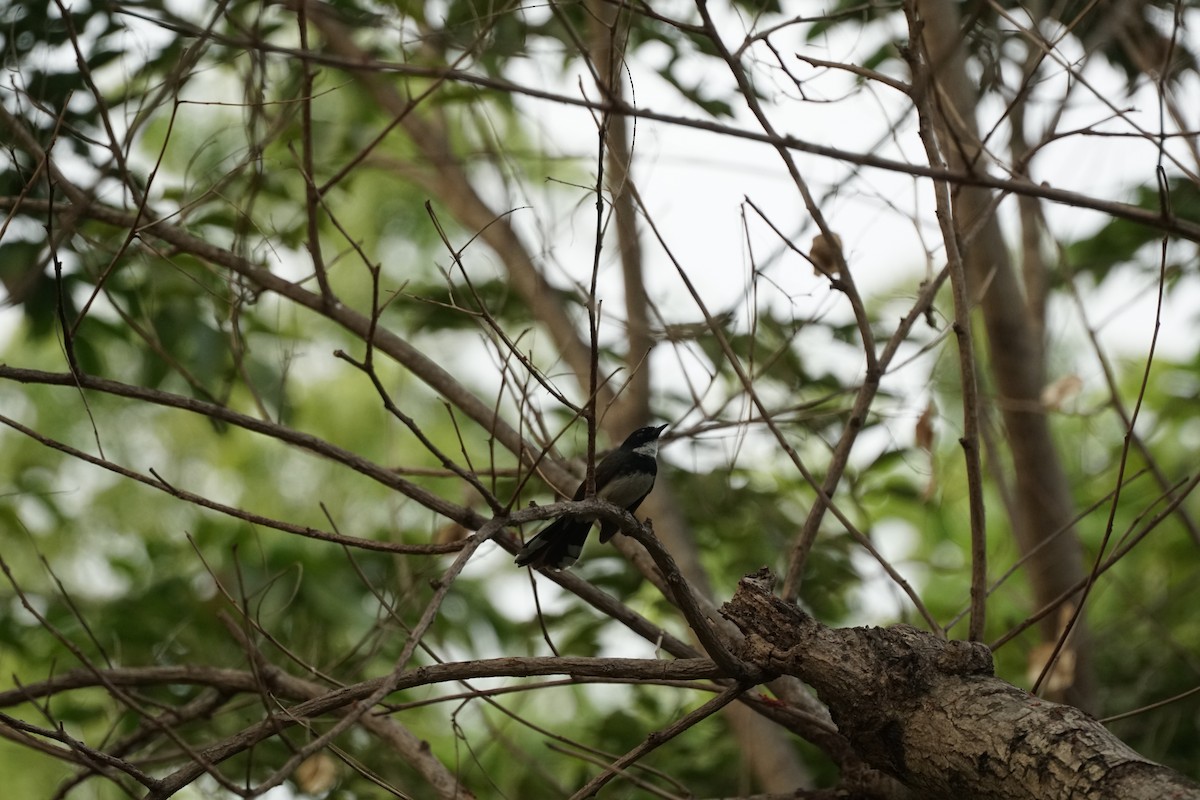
(623, 477)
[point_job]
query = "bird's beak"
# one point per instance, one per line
(661, 428)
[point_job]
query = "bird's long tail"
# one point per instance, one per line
(557, 546)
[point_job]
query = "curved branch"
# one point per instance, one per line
(423, 367)
(236, 680)
(291, 436)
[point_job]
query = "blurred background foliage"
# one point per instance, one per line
(123, 574)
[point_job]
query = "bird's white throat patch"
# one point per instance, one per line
(649, 449)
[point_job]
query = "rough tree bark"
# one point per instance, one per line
(930, 712)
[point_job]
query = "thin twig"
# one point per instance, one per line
(969, 382)
(658, 738)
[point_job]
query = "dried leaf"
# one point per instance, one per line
(1061, 676)
(825, 255)
(923, 431)
(449, 533)
(1059, 392)
(923, 436)
(316, 774)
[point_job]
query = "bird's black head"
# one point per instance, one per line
(642, 436)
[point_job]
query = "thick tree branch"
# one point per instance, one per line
(931, 713)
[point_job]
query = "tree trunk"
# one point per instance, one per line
(1044, 504)
(767, 751)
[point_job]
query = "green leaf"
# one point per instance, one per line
(1118, 242)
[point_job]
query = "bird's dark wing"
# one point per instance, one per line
(604, 473)
(558, 546)
(560, 543)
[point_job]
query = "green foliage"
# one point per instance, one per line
(1120, 242)
(991, 40)
(122, 573)
(849, 12)
(29, 31)
(461, 307)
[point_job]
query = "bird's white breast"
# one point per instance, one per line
(625, 489)
(649, 449)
